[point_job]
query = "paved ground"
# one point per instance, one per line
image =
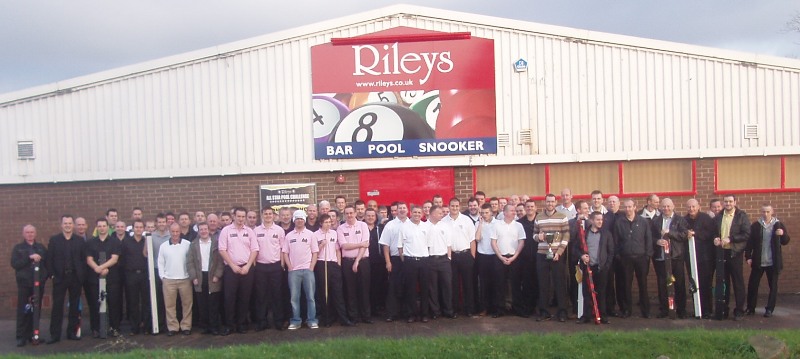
(786, 316)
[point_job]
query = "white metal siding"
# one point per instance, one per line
(246, 111)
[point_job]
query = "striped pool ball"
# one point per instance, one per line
(362, 98)
(428, 106)
(327, 112)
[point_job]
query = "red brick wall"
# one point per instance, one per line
(43, 204)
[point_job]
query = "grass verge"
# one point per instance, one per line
(690, 343)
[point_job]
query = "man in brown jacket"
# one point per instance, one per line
(205, 272)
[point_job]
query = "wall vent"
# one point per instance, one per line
(25, 150)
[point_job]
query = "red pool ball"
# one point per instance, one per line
(467, 114)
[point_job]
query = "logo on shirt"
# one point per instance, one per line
(234, 235)
(346, 234)
(358, 231)
(275, 236)
(260, 235)
(292, 241)
(305, 240)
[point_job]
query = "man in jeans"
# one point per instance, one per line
(300, 254)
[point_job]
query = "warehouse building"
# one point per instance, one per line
(405, 102)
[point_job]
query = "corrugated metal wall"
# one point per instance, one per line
(247, 111)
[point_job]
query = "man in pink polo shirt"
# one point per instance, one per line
(354, 240)
(328, 274)
(300, 255)
(238, 247)
(269, 270)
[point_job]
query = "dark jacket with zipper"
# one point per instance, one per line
(753, 249)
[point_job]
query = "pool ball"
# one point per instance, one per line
(467, 114)
(381, 122)
(327, 112)
(362, 98)
(410, 97)
(428, 107)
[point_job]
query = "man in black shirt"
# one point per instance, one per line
(530, 286)
(24, 257)
(635, 248)
(137, 284)
(109, 246)
(67, 264)
(701, 227)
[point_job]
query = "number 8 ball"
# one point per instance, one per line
(381, 122)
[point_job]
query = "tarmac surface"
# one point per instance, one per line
(786, 316)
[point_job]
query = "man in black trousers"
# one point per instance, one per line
(67, 264)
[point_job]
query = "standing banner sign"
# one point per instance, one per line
(404, 92)
(294, 195)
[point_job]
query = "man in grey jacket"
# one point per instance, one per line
(205, 272)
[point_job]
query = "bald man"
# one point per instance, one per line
(671, 229)
(701, 226)
(25, 256)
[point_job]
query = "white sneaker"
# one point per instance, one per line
(313, 326)
(294, 326)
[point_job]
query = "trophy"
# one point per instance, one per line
(550, 238)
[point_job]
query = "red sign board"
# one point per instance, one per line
(404, 92)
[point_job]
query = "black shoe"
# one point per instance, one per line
(367, 321)
(260, 327)
(389, 319)
(113, 332)
(187, 332)
(242, 330)
(348, 324)
(451, 316)
(53, 340)
(615, 314)
(562, 318)
(21, 342)
(171, 333)
(225, 332)
(661, 315)
(544, 317)
(750, 311)
(768, 313)
(424, 319)
(73, 337)
(604, 321)
(738, 317)
(626, 314)
(582, 320)
(437, 317)
(96, 334)
(208, 331)
(681, 315)
(410, 320)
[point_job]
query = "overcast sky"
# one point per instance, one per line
(43, 42)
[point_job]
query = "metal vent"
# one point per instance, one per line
(751, 132)
(503, 140)
(25, 150)
(525, 136)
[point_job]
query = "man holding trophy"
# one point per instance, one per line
(553, 237)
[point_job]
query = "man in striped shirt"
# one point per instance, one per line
(553, 237)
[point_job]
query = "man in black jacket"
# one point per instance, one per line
(763, 254)
(635, 247)
(67, 265)
(701, 227)
(733, 230)
(24, 257)
(668, 225)
(599, 256)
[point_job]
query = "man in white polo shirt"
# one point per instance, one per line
(300, 255)
(507, 248)
(174, 274)
(463, 257)
(440, 245)
(413, 249)
(389, 240)
(484, 234)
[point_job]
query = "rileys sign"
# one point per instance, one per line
(404, 95)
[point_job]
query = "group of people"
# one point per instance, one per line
(345, 263)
